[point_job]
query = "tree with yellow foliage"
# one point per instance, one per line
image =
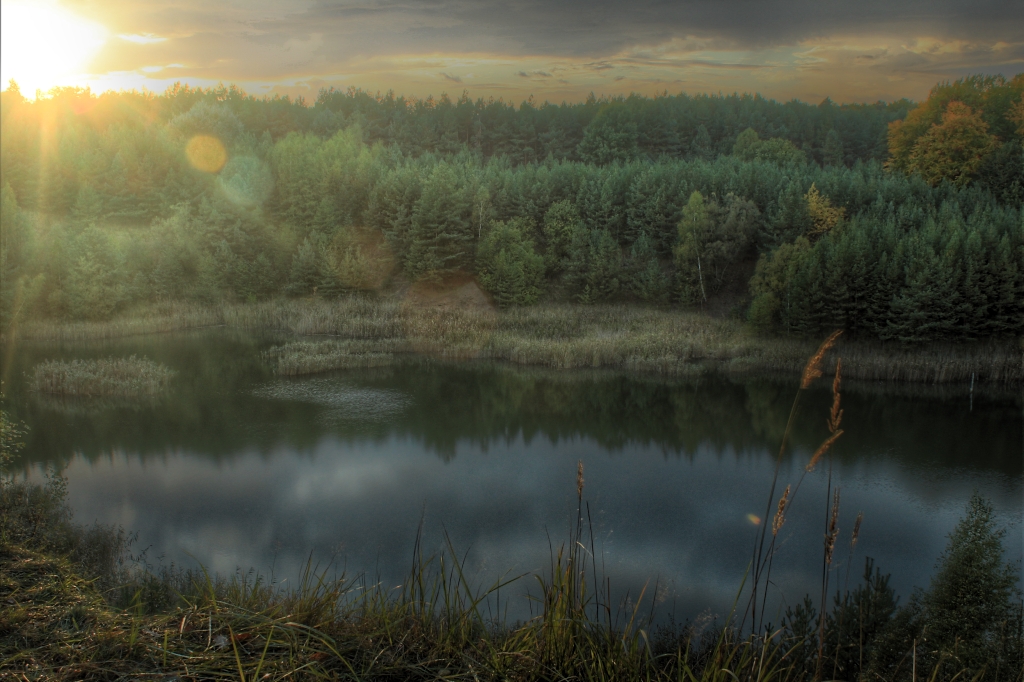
(954, 149)
(960, 122)
(824, 216)
(1017, 115)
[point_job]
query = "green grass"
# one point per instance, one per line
(634, 338)
(129, 377)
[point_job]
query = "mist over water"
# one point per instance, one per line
(236, 468)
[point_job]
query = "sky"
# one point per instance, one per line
(553, 50)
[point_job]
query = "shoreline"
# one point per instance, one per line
(669, 343)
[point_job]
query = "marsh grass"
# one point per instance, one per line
(560, 336)
(152, 319)
(129, 377)
(310, 357)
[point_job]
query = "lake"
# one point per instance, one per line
(237, 468)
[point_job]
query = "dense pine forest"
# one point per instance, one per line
(895, 221)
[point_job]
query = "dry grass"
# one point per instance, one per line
(309, 357)
(122, 377)
(56, 624)
(157, 319)
(669, 342)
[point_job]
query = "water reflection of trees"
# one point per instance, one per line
(212, 411)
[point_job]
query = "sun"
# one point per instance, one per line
(43, 45)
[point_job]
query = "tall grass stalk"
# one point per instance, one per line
(761, 556)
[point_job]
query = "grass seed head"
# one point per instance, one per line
(812, 370)
(835, 417)
(579, 479)
(822, 449)
(780, 513)
(833, 529)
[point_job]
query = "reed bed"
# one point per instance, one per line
(156, 319)
(310, 357)
(122, 377)
(353, 317)
(561, 336)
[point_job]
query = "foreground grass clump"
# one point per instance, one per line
(59, 622)
(73, 606)
(123, 377)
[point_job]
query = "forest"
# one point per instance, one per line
(895, 221)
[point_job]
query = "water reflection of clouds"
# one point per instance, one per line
(679, 521)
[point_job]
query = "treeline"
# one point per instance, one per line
(123, 199)
(597, 130)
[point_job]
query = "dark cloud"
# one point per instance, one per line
(575, 28)
(873, 49)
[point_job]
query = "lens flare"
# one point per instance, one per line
(206, 153)
(43, 45)
(754, 519)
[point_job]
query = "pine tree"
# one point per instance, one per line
(561, 222)
(972, 594)
(441, 232)
(613, 135)
(702, 147)
(787, 218)
(593, 268)
(970, 616)
(508, 266)
(833, 151)
(646, 279)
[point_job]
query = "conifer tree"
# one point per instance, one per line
(702, 147)
(969, 618)
(507, 264)
(833, 151)
(646, 279)
(441, 231)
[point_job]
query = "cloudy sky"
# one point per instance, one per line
(553, 49)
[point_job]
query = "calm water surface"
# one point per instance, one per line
(237, 468)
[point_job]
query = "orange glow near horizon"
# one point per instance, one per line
(42, 46)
